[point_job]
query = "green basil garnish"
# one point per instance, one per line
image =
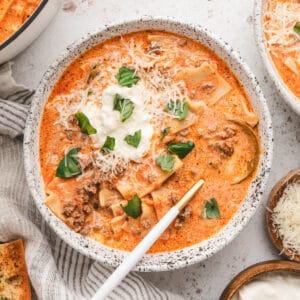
(109, 144)
(211, 209)
(124, 106)
(297, 28)
(84, 123)
(133, 207)
(166, 162)
(126, 77)
(181, 149)
(134, 140)
(178, 109)
(93, 73)
(164, 132)
(68, 166)
(90, 92)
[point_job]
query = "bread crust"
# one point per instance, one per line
(14, 280)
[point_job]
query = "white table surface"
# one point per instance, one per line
(233, 21)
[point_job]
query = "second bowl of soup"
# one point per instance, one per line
(278, 36)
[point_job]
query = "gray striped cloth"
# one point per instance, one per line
(56, 271)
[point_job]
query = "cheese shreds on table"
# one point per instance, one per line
(286, 217)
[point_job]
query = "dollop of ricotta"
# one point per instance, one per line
(273, 286)
(107, 121)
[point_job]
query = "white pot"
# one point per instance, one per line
(29, 31)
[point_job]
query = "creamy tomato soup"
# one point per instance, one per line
(131, 125)
(282, 33)
(13, 13)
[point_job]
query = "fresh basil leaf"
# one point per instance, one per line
(164, 132)
(109, 144)
(3, 298)
(93, 73)
(68, 166)
(181, 149)
(211, 209)
(133, 207)
(84, 123)
(124, 106)
(126, 77)
(90, 92)
(178, 109)
(134, 140)
(297, 28)
(166, 162)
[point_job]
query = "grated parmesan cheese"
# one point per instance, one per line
(156, 87)
(280, 19)
(286, 218)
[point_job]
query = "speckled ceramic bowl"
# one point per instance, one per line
(159, 261)
(286, 93)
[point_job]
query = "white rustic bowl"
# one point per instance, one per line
(167, 260)
(286, 93)
(29, 31)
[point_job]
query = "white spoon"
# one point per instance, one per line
(133, 258)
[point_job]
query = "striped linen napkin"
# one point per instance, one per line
(56, 270)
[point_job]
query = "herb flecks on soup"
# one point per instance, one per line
(13, 13)
(282, 34)
(131, 125)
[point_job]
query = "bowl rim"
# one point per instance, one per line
(283, 89)
(25, 25)
(253, 271)
(165, 260)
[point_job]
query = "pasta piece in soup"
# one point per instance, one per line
(205, 82)
(146, 179)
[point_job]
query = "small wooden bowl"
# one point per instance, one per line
(258, 269)
(275, 195)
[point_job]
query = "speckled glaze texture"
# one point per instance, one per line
(160, 261)
(286, 93)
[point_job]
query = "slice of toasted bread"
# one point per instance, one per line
(14, 281)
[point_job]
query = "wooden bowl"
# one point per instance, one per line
(258, 269)
(275, 195)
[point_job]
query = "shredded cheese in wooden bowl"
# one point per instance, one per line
(283, 215)
(286, 217)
